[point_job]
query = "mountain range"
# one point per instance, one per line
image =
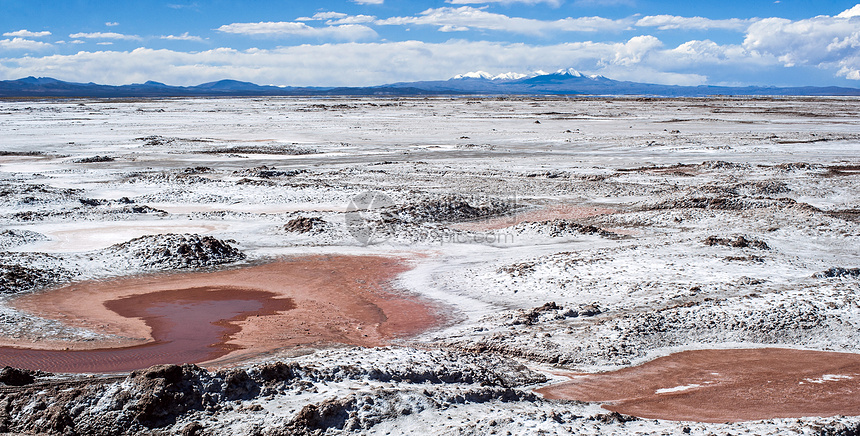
(562, 82)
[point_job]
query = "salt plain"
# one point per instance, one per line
(660, 269)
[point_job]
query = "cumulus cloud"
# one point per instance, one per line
(111, 24)
(23, 44)
(319, 16)
(709, 52)
(184, 37)
(104, 35)
(466, 18)
(353, 19)
(672, 22)
(369, 2)
(351, 32)
(822, 41)
(853, 12)
(24, 33)
(337, 18)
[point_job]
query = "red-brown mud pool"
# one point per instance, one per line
(223, 317)
(725, 386)
(188, 325)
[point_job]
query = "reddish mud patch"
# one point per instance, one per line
(544, 214)
(188, 325)
(725, 386)
(292, 304)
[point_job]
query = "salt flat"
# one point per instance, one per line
(560, 235)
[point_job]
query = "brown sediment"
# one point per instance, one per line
(563, 211)
(725, 386)
(290, 304)
(187, 325)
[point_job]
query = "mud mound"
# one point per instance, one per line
(768, 187)
(838, 272)
(305, 225)
(17, 377)
(17, 278)
(173, 251)
(450, 209)
(847, 214)
(96, 159)
(563, 227)
(170, 399)
(729, 203)
(737, 242)
(288, 150)
(358, 412)
(28, 194)
(15, 238)
(267, 172)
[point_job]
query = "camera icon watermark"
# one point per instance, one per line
(363, 219)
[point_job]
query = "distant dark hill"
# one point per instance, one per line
(564, 82)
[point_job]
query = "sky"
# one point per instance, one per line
(374, 42)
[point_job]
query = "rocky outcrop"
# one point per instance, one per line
(173, 251)
(17, 278)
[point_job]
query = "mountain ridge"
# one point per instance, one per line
(561, 82)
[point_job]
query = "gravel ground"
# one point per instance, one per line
(564, 234)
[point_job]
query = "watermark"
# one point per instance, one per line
(442, 236)
(362, 217)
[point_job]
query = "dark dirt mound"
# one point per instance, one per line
(737, 242)
(305, 225)
(13, 238)
(17, 377)
(564, 227)
(450, 209)
(838, 272)
(169, 399)
(95, 159)
(173, 251)
(17, 278)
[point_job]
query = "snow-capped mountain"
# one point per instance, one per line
(571, 72)
(487, 76)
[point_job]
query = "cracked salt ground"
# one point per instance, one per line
(732, 227)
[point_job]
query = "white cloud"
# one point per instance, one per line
(554, 3)
(367, 63)
(24, 33)
(111, 24)
(633, 51)
(709, 52)
(823, 41)
(351, 32)
(23, 44)
(369, 2)
(184, 37)
(319, 16)
(672, 22)
(104, 43)
(853, 12)
(354, 19)
(104, 35)
(466, 17)
(336, 18)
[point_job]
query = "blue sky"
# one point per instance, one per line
(372, 42)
